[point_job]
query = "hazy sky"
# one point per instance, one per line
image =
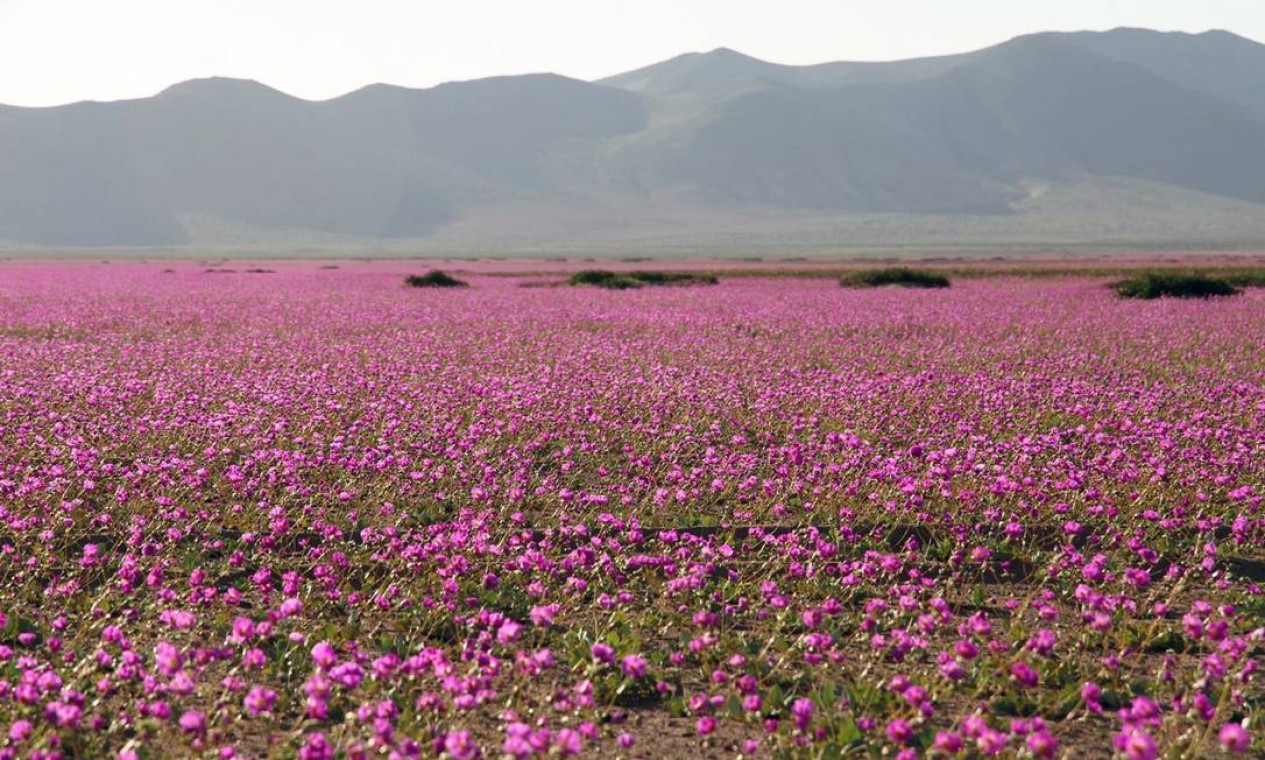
(57, 51)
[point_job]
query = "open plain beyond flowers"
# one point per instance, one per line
(313, 513)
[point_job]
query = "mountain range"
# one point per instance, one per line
(1129, 137)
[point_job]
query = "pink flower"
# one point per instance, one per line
(518, 741)
(91, 555)
(1136, 744)
(966, 650)
(1043, 643)
(260, 700)
(193, 722)
(603, 652)
(1091, 694)
(633, 666)
(460, 745)
(949, 742)
(802, 709)
(569, 741)
(508, 633)
(899, 732)
(1042, 745)
(1234, 738)
(991, 742)
(1024, 675)
(254, 658)
(316, 747)
(347, 674)
(324, 656)
(542, 615)
(243, 630)
(20, 731)
(167, 658)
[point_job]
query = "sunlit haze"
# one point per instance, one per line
(68, 50)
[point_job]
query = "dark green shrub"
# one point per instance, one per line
(1148, 285)
(434, 279)
(901, 276)
(1250, 278)
(674, 278)
(599, 277)
(626, 280)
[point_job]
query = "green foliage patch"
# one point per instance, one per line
(1149, 285)
(435, 278)
(628, 280)
(900, 276)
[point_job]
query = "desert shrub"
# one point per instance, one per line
(1248, 278)
(598, 277)
(434, 279)
(1148, 285)
(901, 276)
(626, 280)
(674, 278)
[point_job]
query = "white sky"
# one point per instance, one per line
(58, 51)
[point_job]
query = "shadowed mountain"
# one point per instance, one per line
(959, 141)
(381, 162)
(724, 67)
(713, 140)
(1215, 63)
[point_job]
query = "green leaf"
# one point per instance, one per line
(849, 734)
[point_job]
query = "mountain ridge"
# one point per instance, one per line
(717, 136)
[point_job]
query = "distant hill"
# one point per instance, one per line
(1164, 133)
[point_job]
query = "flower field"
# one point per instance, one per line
(313, 513)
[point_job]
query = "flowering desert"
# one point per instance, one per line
(313, 513)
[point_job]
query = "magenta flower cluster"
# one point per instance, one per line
(311, 513)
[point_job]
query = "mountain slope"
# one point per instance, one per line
(1216, 63)
(961, 141)
(724, 67)
(717, 139)
(382, 162)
